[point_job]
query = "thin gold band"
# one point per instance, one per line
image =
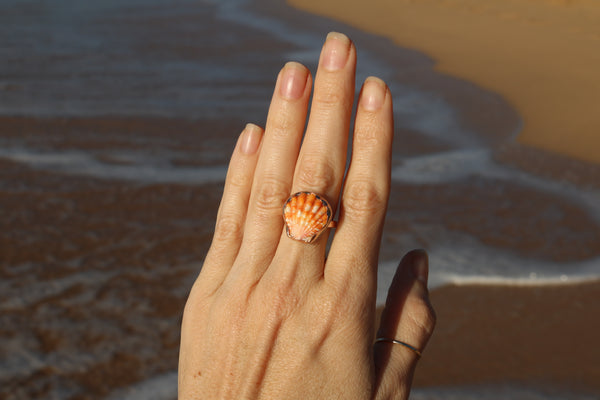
(394, 341)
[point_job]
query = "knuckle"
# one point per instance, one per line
(423, 317)
(278, 298)
(228, 228)
(363, 198)
(234, 299)
(280, 124)
(271, 194)
(329, 95)
(316, 174)
(368, 134)
(237, 181)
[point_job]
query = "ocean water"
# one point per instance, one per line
(217, 60)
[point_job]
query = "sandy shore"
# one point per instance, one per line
(541, 335)
(539, 55)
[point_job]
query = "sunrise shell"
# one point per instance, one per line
(306, 215)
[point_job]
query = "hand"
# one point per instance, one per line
(271, 317)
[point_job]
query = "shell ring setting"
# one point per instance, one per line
(306, 216)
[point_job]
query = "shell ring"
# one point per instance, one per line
(306, 216)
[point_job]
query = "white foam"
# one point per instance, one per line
(415, 109)
(444, 167)
(457, 165)
(472, 263)
(430, 114)
(161, 387)
(146, 170)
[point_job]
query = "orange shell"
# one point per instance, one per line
(306, 215)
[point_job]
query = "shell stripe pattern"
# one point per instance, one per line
(306, 216)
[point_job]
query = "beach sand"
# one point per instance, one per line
(544, 336)
(539, 337)
(540, 55)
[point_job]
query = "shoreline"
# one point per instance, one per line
(471, 108)
(172, 219)
(537, 55)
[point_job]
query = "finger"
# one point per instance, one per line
(273, 176)
(322, 159)
(409, 317)
(231, 216)
(355, 247)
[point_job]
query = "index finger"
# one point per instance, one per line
(355, 247)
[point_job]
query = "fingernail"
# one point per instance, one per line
(421, 265)
(293, 80)
(373, 94)
(250, 140)
(335, 51)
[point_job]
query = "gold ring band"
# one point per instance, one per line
(394, 341)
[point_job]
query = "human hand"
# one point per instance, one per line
(271, 317)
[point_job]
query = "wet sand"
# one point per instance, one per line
(103, 134)
(537, 337)
(543, 336)
(94, 275)
(539, 55)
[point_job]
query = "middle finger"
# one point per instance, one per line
(322, 159)
(273, 177)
